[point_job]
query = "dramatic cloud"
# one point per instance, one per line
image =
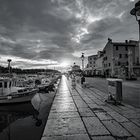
(46, 32)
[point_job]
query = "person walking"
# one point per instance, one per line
(82, 80)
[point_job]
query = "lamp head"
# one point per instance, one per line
(136, 11)
(82, 56)
(9, 60)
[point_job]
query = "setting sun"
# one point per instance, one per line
(64, 64)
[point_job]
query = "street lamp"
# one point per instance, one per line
(9, 67)
(82, 58)
(136, 12)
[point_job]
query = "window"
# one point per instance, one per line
(5, 84)
(137, 60)
(0, 85)
(126, 55)
(119, 63)
(109, 64)
(117, 48)
(9, 84)
(120, 55)
(127, 63)
(126, 48)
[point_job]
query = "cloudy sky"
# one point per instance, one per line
(43, 33)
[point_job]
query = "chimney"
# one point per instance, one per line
(109, 40)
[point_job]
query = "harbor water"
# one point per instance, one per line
(25, 121)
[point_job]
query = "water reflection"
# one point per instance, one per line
(26, 120)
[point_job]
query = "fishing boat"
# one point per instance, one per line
(10, 93)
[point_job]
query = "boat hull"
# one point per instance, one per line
(21, 98)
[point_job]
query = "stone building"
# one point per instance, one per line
(121, 59)
(90, 70)
(99, 64)
(118, 59)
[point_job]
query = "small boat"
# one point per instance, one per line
(10, 93)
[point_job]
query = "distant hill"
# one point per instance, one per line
(26, 71)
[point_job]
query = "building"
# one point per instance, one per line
(91, 65)
(118, 59)
(99, 64)
(121, 59)
(75, 68)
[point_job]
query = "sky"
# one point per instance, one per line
(54, 33)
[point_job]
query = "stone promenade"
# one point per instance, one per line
(81, 114)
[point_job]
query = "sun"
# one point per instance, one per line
(64, 64)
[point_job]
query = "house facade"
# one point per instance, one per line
(121, 59)
(90, 69)
(117, 59)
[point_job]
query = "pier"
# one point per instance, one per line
(82, 114)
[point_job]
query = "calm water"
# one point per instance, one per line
(25, 121)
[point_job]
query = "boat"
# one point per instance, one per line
(10, 93)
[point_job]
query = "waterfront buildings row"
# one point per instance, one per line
(117, 59)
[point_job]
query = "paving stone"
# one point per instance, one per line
(64, 99)
(106, 108)
(63, 96)
(98, 109)
(136, 121)
(88, 101)
(93, 105)
(81, 104)
(64, 126)
(103, 138)
(64, 107)
(132, 138)
(103, 116)
(67, 137)
(85, 112)
(132, 128)
(116, 129)
(132, 115)
(99, 102)
(77, 98)
(118, 117)
(74, 93)
(116, 108)
(63, 115)
(62, 90)
(126, 112)
(94, 126)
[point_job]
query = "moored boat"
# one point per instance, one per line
(10, 93)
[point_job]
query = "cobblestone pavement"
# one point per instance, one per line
(81, 114)
(130, 89)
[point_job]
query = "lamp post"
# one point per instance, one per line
(136, 12)
(9, 66)
(82, 58)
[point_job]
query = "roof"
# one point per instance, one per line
(93, 55)
(122, 44)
